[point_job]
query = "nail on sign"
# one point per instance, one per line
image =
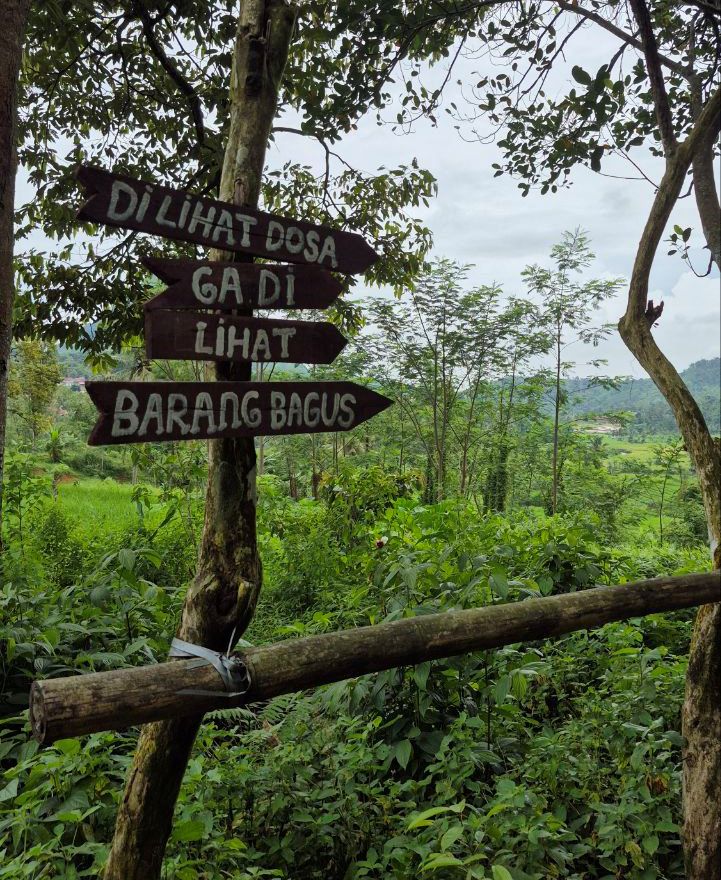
(175, 335)
(198, 284)
(118, 200)
(137, 412)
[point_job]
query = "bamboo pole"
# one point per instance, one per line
(67, 707)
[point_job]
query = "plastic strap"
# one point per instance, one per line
(232, 670)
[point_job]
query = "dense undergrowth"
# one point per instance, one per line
(552, 759)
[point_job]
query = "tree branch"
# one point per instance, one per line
(602, 22)
(708, 8)
(184, 87)
(704, 179)
(636, 333)
(667, 194)
(655, 76)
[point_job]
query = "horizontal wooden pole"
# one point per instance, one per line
(66, 707)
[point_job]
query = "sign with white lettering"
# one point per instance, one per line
(204, 284)
(175, 335)
(137, 412)
(118, 200)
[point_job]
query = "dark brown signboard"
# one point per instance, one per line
(118, 200)
(198, 284)
(197, 336)
(137, 412)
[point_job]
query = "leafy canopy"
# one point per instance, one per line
(143, 88)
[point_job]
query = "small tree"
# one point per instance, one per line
(35, 376)
(451, 350)
(567, 306)
(667, 457)
(54, 445)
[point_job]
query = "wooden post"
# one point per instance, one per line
(222, 597)
(64, 707)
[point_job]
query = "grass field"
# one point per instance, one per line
(649, 491)
(100, 505)
(104, 506)
(643, 452)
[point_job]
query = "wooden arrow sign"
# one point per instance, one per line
(196, 336)
(137, 412)
(118, 200)
(198, 284)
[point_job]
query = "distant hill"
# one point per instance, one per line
(641, 397)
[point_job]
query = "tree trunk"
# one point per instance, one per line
(261, 439)
(222, 597)
(702, 705)
(707, 201)
(15, 13)
(704, 180)
(556, 418)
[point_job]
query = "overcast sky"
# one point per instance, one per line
(483, 220)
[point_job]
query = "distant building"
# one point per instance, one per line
(77, 383)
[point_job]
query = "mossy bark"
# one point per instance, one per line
(222, 597)
(15, 13)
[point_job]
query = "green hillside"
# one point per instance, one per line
(641, 397)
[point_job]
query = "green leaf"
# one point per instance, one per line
(674, 737)
(420, 675)
(499, 581)
(10, 790)
(440, 860)
(519, 685)
(99, 595)
(67, 746)
(545, 584)
(500, 691)
(193, 829)
(76, 802)
(430, 742)
(650, 844)
(425, 818)
(500, 873)
(454, 833)
(402, 752)
(126, 559)
(581, 76)
(506, 786)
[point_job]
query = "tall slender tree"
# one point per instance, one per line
(568, 302)
(15, 14)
